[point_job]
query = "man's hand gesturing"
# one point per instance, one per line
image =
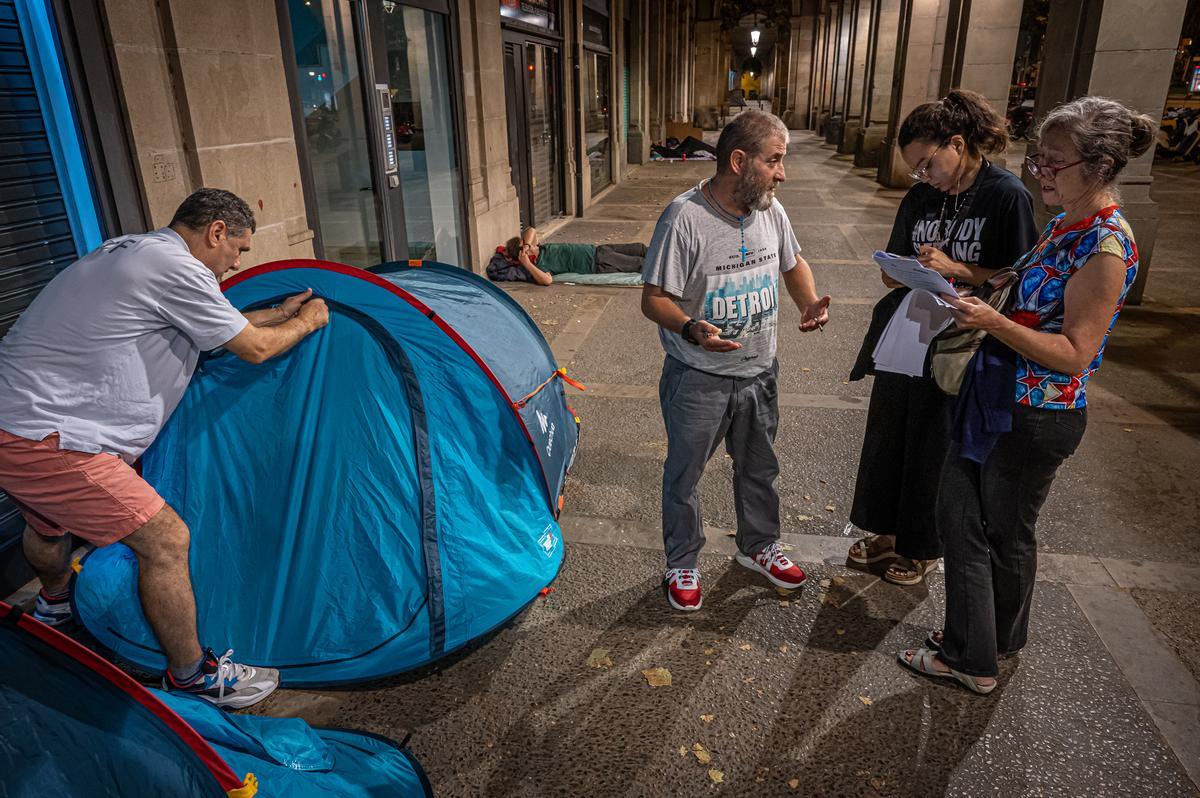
(815, 315)
(709, 338)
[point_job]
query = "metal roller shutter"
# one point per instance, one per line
(35, 232)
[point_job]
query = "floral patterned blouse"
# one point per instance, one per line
(1038, 299)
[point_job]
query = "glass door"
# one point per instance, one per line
(374, 86)
(419, 82)
(331, 92)
(532, 90)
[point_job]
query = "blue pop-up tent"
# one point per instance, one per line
(75, 725)
(378, 496)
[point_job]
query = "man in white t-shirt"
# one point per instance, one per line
(712, 278)
(88, 376)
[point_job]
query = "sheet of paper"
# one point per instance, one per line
(910, 272)
(905, 340)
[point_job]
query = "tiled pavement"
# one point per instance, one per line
(801, 695)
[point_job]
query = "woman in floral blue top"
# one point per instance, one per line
(1071, 287)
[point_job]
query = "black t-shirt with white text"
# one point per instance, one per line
(994, 230)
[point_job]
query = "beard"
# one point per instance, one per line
(754, 194)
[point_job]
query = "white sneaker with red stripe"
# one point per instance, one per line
(683, 588)
(778, 569)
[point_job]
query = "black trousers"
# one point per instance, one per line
(987, 515)
(612, 258)
(908, 433)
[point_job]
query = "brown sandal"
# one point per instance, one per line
(869, 549)
(909, 572)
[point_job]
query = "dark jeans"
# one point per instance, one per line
(612, 258)
(904, 446)
(987, 515)
(700, 410)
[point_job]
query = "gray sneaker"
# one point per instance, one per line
(226, 683)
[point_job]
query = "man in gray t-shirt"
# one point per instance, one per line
(712, 278)
(88, 376)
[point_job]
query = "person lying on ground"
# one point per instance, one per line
(526, 259)
(88, 376)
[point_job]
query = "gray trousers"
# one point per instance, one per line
(612, 258)
(700, 410)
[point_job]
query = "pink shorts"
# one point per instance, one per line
(95, 496)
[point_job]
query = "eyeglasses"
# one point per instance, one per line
(922, 172)
(1046, 170)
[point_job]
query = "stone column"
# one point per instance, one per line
(915, 79)
(855, 88)
(877, 93)
(984, 62)
(1124, 50)
(638, 146)
(840, 50)
(800, 66)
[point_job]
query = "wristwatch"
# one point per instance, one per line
(685, 332)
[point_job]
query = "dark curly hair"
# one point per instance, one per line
(207, 205)
(963, 113)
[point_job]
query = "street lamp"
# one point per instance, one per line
(754, 34)
(753, 50)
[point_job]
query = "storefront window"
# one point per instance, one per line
(595, 22)
(539, 13)
(419, 82)
(331, 100)
(596, 98)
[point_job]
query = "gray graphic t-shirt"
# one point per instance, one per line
(696, 255)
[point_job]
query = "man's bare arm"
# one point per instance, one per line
(257, 344)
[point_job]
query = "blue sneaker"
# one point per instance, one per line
(53, 610)
(226, 683)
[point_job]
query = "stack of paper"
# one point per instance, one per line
(904, 344)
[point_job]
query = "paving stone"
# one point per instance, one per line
(796, 689)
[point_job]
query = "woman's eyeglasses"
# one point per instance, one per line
(922, 172)
(1046, 170)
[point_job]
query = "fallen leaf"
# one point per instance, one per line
(657, 677)
(708, 663)
(707, 718)
(745, 646)
(829, 508)
(783, 591)
(825, 582)
(793, 783)
(716, 775)
(839, 632)
(683, 750)
(866, 701)
(806, 371)
(807, 498)
(489, 744)
(837, 580)
(701, 753)
(806, 518)
(708, 652)
(783, 649)
(599, 659)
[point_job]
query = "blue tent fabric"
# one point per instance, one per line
(359, 506)
(291, 758)
(509, 341)
(72, 724)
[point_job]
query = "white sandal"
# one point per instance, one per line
(922, 662)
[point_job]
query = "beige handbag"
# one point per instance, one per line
(953, 348)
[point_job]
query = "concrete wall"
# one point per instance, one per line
(206, 103)
(492, 198)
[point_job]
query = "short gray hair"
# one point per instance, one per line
(1107, 134)
(207, 205)
(748, 131)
